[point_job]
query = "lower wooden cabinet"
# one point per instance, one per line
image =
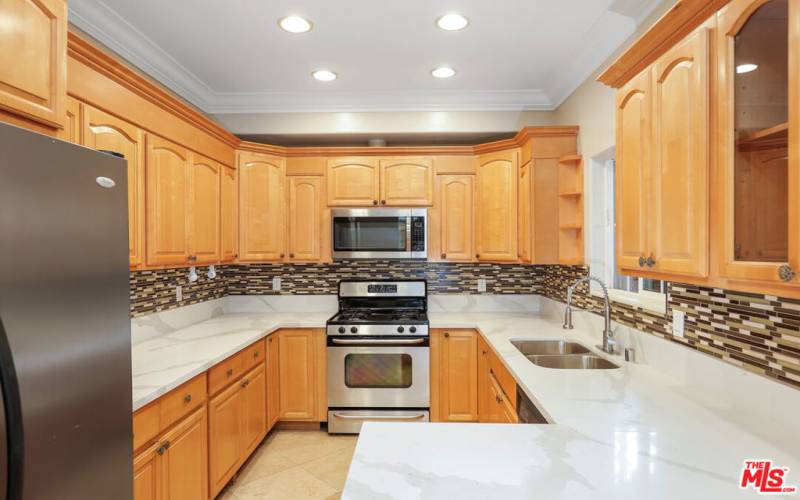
(301, 354)
(469, 383)
(273, 382)
(454, 373)
(176, 466)
(237, 424)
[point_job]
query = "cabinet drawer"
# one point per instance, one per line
(504, 378)
(226, 372)
(183, 400)
(254, 355)
(146, 424)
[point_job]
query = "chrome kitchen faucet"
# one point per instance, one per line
(609, 344)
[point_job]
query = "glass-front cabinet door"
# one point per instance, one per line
(760, 190)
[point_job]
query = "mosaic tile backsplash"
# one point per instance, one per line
(759, 333)
(153, 291)
(755, 332)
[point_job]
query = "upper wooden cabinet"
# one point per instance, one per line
(229, 210)
(406, 182)
(104, 132)
(634, 169)
(357, 182)
(204, 210)
(353, 182)
(167, 173)
(758, 142)
(33, 59)
(525, 192)
(261, 207)
(72, 131)
(663, 163)
(305, 218)
(681, 164)
(496, 207)
(456, 208)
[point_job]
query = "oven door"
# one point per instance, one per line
(378, 373)
(371, 233)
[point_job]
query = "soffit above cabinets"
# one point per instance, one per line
(231, 57)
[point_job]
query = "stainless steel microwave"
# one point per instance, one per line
(380, 233)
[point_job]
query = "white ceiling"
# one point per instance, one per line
(231, 57)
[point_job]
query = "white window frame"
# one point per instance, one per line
(604, 185)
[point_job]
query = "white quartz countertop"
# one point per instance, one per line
(634, 432)
(164, 362)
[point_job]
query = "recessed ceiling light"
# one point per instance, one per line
(295, 24)
(324, 75)
(746, 68)
(452, 22)
(443, 72)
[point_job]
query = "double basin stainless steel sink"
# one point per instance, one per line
(562, 355)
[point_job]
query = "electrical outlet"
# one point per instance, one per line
(481, 284)
(178, 293)
(276, 284)
(678, 318)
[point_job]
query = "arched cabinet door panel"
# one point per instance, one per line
(305, 218)
(261, 208)
(496, 202)
(353, 182)
(167, 174)
(204, 210)
(406, 182)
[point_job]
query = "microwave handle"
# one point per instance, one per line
(408, 234)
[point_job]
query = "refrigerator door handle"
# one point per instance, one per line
(11, 432)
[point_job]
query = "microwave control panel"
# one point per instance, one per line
(417, 234)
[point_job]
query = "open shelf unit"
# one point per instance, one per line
(768, 138)
(570, 210)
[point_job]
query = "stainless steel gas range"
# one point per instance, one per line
(378, 355)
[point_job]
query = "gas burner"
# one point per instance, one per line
(381, 308)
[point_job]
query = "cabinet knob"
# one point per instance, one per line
(651, 261)
(187, 398)
(444, 255)
(499, 399)
(167, 445)
(477, 256)
(160, 450)
(229, 372)
(447, 334)
(282, 256)
(374, 202)
(383, 202)
(236, 256)
(255, 354)
(786, 273)
(291, 256)
(642, 261)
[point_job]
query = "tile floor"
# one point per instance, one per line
(295, 465)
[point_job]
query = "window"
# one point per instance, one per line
(640, 292)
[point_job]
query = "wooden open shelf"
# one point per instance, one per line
(768, 138)
(570, 209)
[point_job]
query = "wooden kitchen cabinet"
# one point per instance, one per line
(204, 210)
(634, 170)
(298, 374)
(183, 468)
(305, 195)
(483, 380)
(167, 175)
(229, 210)
(175, 467)
(33, 61)
(680, 196)
(254, 409)
(454, 359)
(103, 131)
(225, 430)
(273, 381)
(496, 207)
(525, 192)
(456, 209)
(72, 123)
(406, 182)
(353, 182)
(261, 207)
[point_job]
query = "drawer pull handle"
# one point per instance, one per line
(255, 354)
(187, 398)
(229, 372)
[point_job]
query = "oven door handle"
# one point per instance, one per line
(415, 416)
(378, 342)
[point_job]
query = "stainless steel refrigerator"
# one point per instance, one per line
(65, 349)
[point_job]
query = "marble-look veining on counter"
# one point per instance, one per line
(482, 303)
(164, 362)
(658, 428)
(280, 303)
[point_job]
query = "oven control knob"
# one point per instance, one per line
(341, 329)
(413, 329)
(353, 329)
(400, 329)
